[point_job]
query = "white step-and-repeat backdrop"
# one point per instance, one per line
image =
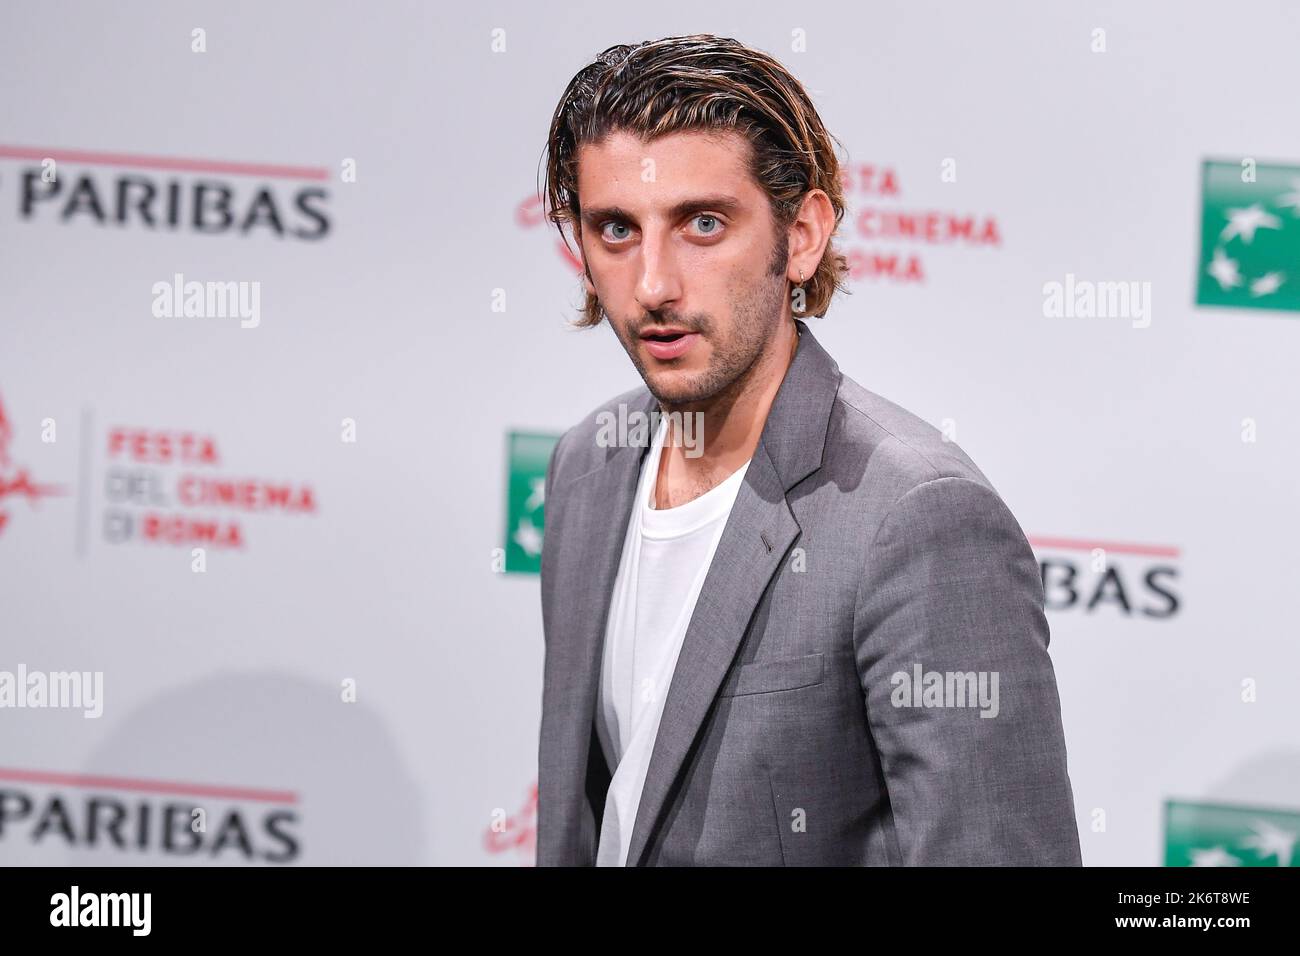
(283, 347)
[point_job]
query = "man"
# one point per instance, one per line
(811, 632)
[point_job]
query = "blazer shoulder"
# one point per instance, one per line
(578, 452)
(899, 443)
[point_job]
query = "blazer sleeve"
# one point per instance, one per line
(952, 587)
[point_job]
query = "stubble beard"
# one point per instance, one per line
(757, 317)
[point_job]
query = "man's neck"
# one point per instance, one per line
(732, 425)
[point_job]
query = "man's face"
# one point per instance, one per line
(677, 235)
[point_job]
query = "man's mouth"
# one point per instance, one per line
(664, 333)
(667, 344)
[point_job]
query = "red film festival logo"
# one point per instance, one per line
(155, 477)
(891, 232)
(16, 483)
(515, 833)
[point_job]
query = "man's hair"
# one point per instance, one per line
(702, 83)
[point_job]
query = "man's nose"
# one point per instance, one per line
(659, 282)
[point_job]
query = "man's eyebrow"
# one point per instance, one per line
(719, 203)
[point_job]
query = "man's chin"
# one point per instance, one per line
(679, 388)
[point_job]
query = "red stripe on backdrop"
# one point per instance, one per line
(171, 163)
(147, 786)
(1078, 544)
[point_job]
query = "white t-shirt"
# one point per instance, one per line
(666, 554)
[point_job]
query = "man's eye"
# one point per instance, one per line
(615, 225)
(708, 224)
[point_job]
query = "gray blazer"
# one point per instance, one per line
(814, 717)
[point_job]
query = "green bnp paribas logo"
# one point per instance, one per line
(1250, 236)
(1218, 834)
(528, 456)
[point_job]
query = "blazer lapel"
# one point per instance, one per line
(753, 544)
(759, 531)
